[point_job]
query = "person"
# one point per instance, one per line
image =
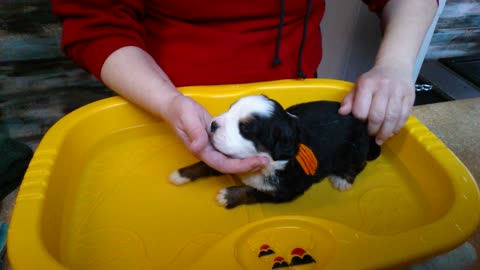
(144, 50)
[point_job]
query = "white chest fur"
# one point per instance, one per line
(265, 180)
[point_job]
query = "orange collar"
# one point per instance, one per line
(306, 159)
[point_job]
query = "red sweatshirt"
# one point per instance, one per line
(200, 42)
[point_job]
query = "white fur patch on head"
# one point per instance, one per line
(339, 183)
(227, 137)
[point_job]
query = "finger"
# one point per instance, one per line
(376, 114)
(392, 115)
(198, 141)
(347, 103)
(362, 101)
(406, 111)
(197, 138)
(250, 164)
(224, 164)
(196, 130)
(206, 118)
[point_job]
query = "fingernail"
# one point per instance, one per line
(379, 142)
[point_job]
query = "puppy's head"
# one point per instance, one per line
(254, 125)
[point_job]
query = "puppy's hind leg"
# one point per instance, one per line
(340, 183)
(344, 180)
(192, 172)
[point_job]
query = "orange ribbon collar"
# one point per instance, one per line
(306, 159)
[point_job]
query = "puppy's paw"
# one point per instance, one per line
(176, 179)
(340, 183)
(229, 197)
(222, 197)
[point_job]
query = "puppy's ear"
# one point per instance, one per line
(283, 137)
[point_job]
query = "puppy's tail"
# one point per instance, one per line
(373, 149)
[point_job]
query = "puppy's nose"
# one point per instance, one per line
(213, 126)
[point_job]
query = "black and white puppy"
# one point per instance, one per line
(304, 143)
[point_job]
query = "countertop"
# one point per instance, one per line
(457, 124)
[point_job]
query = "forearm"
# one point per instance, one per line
(133, 74)
(405, 25)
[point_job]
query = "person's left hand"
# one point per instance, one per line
(384, 97)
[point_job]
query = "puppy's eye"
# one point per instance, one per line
(244, 128)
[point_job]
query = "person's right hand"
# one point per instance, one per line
(190, 122)
(133, 74)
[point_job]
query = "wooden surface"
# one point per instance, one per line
(38, 84)
(37, 93)
(457, 124)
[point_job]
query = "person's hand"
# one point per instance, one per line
(190, 122)
(384, 97)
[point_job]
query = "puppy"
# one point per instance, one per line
(304, 143)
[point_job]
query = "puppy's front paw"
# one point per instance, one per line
(176, 179)
(340, 183)
(222, 197)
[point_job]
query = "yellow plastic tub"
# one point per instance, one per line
(96, 196)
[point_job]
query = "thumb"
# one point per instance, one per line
(198, 139)
(347, 104)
